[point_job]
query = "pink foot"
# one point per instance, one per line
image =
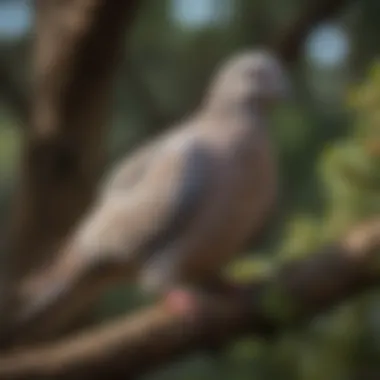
(181, 302)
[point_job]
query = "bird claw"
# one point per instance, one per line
(181, 302)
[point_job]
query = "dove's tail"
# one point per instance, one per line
(55, 297)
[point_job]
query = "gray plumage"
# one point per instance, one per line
(183, 205)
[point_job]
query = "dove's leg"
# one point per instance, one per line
(161, 272)
(185, 299)
(182, 301)
(161, 276)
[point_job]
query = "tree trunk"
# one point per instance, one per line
(78, 44)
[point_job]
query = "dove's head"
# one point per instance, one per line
(252, 77)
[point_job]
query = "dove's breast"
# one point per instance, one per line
(238, 205)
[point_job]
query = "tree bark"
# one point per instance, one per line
(77, 48)
(133, 345)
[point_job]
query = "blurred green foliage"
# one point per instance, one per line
(328, 146)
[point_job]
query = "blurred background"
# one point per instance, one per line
(328, 145)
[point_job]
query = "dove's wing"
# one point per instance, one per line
(126, 227)
(142, 217)
(130, 170)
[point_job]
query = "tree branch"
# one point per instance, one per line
(151, 338)
(78, 46)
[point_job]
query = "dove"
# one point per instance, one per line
(182, 206)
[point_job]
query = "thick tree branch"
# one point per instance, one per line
(133, 345)
(78, 46)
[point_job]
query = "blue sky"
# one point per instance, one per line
(328, 45)
(197, 13)
(15, 18)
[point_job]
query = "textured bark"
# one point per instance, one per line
(136, 344)
(77, 48)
